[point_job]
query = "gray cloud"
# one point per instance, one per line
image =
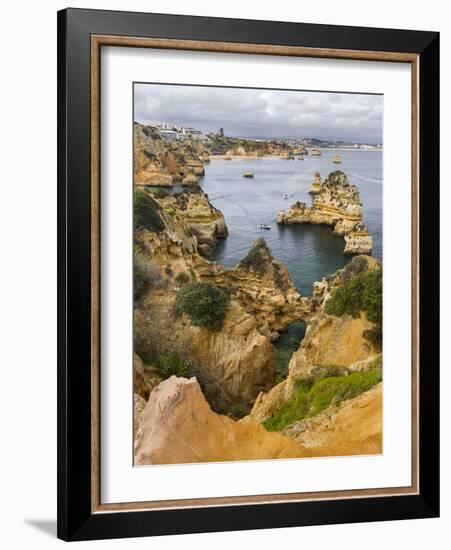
(262, 113)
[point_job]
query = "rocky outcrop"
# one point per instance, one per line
(233, 365)
(315, 153)
(353, 428)
(316, 184)
(287, 156)
(263, 287)
(260, 284)
(330, 340)
(162, 163)
(145, 380)
(139, 404)
(189, 180)
(240, 151)
(238, 147)
(201, 218)
(331, 344)
(335, 203)
(178, 426)
(358, 240)
(237, 362)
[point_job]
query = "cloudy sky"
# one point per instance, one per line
(263, 113)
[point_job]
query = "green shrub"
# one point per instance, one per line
(204, 303)
(146, 212)
(172, 363)
(362, 292)
(182, 278)
(311, 398)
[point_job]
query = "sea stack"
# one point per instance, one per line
(316, 184)
(358, 241)
(335, 203)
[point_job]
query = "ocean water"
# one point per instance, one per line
(308, 251)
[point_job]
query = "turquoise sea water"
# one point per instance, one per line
(308, 251)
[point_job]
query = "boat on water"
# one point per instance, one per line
(265, 226)
(285, 196)
(336, 159)
(248, 175)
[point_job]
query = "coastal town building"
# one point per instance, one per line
(179, 133)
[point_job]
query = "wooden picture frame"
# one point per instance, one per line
(81, 35)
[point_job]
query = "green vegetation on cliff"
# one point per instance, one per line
(257, 258)
(361, 292)
(172, 363)
(311, 398)
(146, 275)
(205, 304)
(146, 213)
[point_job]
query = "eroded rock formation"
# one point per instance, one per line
(335, 203)
(201, 218)
(264, 288)
(316, 184)
(158, 162)
(353, 428)
(330, 342)
(178, 426)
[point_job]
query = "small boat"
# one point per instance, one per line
(248, 175)
(285, 196)
(336, 159)
(265, 226)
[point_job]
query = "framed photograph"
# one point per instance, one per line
(248, 274)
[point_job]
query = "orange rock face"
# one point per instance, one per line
(178, 426)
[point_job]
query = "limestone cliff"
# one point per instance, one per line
(237, 362)
(233, 364)
(144, 381)
(330, 343)
(263, 287)
(158, 162)
(232, 147)
(354, 428)
(260, 284)
(201, 218)
(178, 426)
(335, 203)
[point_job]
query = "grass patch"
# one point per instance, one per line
(172, 363)
(311, 398)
